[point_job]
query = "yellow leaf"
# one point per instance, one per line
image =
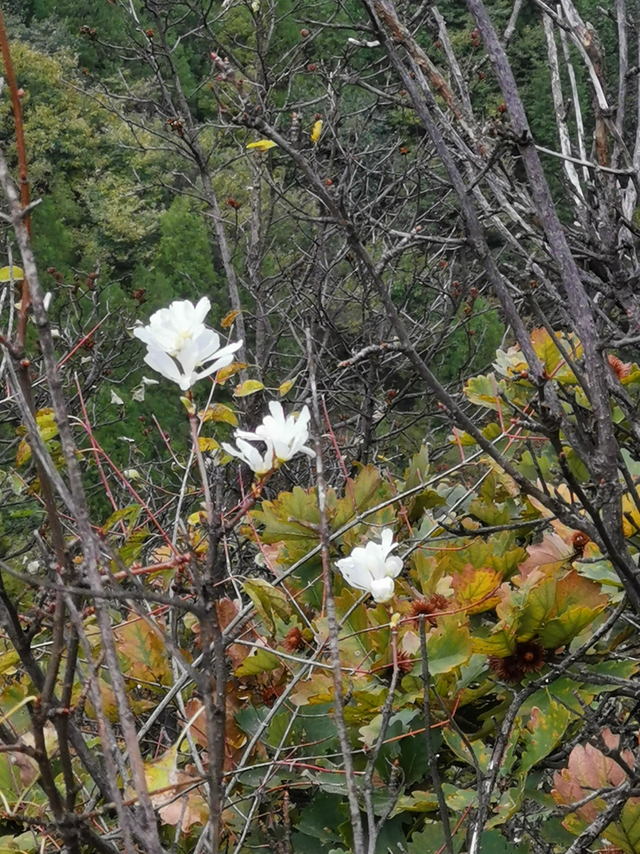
(23, 454)
(144, 651)
(262, 145)
(224, 373)
(475, 589)
(206, 444)
(219, 412)
(47, 428)
(630, 516)
(197, 518)
(228, 319)
(248, 387)
(317, 130)
(286, 387)
(5, 274)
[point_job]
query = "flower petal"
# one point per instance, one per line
(164, 364)
(354, 573)
(393, 566)
(202, 309)
(386, 540)
(383, 590)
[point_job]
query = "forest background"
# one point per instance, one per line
(421, 221)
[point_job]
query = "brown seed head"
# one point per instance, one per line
(529, 657)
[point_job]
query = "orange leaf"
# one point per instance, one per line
(228, 319)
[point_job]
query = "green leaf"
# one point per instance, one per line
(268, 601)
(449, 645)
(417, 802)
(457, 745)
(131, 549)
(493, 842)
(559, 609)
(625, 833)
(130, 514)
(484, 391)
(258, 661)
(431, 839)
(543, 732)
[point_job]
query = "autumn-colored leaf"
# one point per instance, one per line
(231, 370)
(7, 273)
(543, 732)
(220, 413)
(475, 589)
(47, 428)
(547, 350)
(144, 651)
(247, 387)
(269, 602)
(228, 319)
(548, 557)
(258, 661)
(483, 391)
(588, 771)
(316, 131)
(166, 783)
(448, 645)
(262, 145)
(206, 443)
(286, 387)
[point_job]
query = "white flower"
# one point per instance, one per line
(46, 302)
(287, 435)
(257, 462)
(178, 342)
(284, 438)
(372, 568)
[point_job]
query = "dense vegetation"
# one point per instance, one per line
(425, 240)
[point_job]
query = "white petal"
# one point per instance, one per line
(382, 590)
(229, 350)
(252, 437)
(386, 539)
(202, 309)
(187, 355)
(374, 559)
(214, 367)
(230, 449)
(142, 332)
(164, 364)
(207, 343)
(276, 410)
(354, 573)
(393, 566)
(251, 455)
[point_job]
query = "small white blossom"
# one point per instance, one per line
(178, 342)
(373, 568)
(287, 435)
(257, 462)
(284, 438)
